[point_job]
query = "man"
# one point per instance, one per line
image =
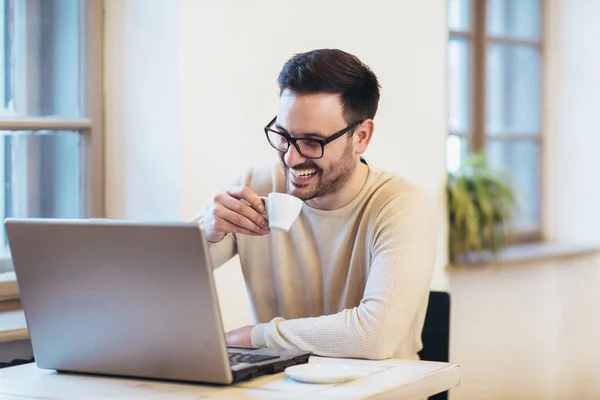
(351, 277)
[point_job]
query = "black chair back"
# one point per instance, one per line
(436, 332)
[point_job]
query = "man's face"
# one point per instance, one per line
(315, 116)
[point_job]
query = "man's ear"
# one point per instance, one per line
(362, 135)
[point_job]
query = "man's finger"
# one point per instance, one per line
(226, 226)
(244, 193)
(242, 207)
(240, 220)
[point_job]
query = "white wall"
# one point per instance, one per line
(572, 196)
(141, 130)
(527, 331)
(190, 84)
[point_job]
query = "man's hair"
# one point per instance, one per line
(337, 72)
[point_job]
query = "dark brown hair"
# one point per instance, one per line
(337, 72)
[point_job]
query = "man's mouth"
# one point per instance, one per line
(301, 176)
(304, 173)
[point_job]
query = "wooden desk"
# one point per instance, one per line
(390, 379)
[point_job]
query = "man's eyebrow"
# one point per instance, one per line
(313, 135)
(304, 135)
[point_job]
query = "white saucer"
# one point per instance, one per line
(323, 373)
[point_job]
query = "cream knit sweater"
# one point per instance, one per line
(352, 282)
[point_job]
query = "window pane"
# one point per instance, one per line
(458, 15)
(39, 58)
(518, 162)
(513, 89)
(514, 18)
(456, 152)
(40, 175)
(458, 85)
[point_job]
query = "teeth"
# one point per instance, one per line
(303, 172)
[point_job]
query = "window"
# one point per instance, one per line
(50, 110)
(494, 95)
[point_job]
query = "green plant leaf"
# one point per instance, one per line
(481, 205)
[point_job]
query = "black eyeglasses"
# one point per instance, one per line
(309, 148)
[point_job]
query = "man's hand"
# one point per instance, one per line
(239, 337)
(238, 210)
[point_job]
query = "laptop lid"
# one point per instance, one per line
(120, 298)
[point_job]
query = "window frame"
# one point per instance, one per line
(90, 127)
(477, 137)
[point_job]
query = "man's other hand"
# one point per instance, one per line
(239, 337)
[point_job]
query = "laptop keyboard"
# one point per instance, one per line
(249, 358)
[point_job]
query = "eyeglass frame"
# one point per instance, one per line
(293, 140)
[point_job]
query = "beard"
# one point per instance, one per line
(324, 182)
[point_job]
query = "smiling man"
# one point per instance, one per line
(351, 277)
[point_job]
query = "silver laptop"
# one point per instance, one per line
(128, 299)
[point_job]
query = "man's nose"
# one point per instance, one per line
(293, 157)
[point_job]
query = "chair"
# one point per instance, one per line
(436, 332)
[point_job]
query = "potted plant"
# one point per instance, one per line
(481, 206)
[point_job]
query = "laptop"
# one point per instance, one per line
(128, 299)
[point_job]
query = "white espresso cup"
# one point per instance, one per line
(282, 210)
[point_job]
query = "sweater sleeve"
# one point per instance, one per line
(402, 259)
(222, 251)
